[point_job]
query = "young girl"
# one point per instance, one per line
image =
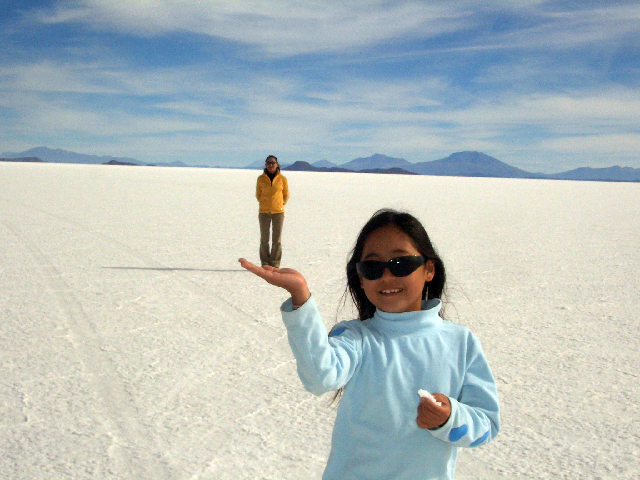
(398, 346)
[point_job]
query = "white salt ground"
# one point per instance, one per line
(133, 346)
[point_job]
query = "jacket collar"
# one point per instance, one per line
(275, 174)
(410, 321)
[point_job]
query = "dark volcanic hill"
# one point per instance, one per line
(118, 162)
(301, 166)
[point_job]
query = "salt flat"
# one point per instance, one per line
(133, 346)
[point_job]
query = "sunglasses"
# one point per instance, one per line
(271, 163)
(399, 266)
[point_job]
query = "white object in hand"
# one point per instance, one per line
(425, 394)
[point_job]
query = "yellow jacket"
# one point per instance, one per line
(272, 196)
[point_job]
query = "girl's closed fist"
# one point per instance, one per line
(432, 415)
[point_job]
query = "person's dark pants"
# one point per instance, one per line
(271, 257)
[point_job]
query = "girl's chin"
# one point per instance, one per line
(391, 306)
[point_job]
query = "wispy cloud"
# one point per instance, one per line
(276, 28)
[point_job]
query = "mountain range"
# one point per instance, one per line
(58, 155)
(460, 164)
(468, 164)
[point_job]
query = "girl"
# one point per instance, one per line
(398, 346)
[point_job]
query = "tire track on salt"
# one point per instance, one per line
(133, 444)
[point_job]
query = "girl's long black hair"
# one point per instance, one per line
(412, 227)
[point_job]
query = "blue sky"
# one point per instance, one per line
(541, 85)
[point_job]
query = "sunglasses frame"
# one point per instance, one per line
(376, 268)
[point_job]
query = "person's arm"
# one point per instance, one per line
(258, 190)
(285, 190)
(324, 363)
(475, 415)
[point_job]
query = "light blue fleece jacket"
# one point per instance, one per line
(383, 362)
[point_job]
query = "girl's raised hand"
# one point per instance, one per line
(287, 278)
(432, 415)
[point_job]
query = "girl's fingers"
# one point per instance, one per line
(432, 415)
(261, 272)
(268, 273)
(287, 278)
(246, 264)
(442, 399)
(427, 406)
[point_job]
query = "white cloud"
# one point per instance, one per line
(278, 28)
(613, 145)
(289, 27)
(53, 117)
(106, 77)
(579, 112)
(48, 76)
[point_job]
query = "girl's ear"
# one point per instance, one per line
(429, 270)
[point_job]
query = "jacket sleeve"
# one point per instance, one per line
(285, 190)
(475, 414)
(258, 189)
(324, 362)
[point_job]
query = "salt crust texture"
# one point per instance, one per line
(134, 347)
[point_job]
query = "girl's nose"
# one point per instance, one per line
(386, 273)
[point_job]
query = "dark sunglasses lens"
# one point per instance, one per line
(399, 267)
(403, 266)
(370, 270)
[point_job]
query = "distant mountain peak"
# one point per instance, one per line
(376, 161)
(324, 164)
(470, 156)
(469, 164)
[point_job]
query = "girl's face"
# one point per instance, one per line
(389, 293)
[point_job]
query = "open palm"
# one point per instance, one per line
(289, 279)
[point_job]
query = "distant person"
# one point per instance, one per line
(272, 192)
(385, 363)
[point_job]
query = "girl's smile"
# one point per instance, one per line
(390, 293)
